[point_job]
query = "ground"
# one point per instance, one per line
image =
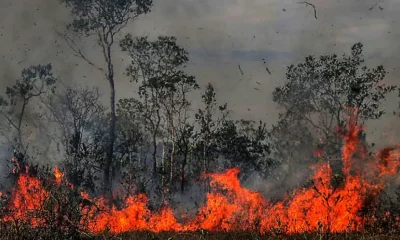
(200, 236)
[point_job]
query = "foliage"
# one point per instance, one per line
(244, 145)
(322, 93)
(329, 85)
(209, 119)
(107, 16)
(163, 90)
(35, 81)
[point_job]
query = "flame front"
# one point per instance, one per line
(231, 207)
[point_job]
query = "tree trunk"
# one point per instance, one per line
(19, 130)
(155, 127)
(171, 177)
(206, 166)
(183, 169)
(204, 159)
(163, 164)
(154, 154)
(110, 152)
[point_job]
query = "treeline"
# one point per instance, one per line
(158, 140)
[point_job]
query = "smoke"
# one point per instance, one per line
(5, 157)
(27, 39)
(188, 202)
(215, 28)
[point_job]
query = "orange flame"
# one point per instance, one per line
(230, 207)
(58, 175)
(27, 197)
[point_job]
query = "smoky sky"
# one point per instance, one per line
(220, 35)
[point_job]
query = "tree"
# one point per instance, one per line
(35, 82)
(104, 19)
(132, 142)
(244, 145)
(185, 142)
(163, 87)
(322, 93)
(292, 143)
(74, 112)
(209, 119)
(131, 134)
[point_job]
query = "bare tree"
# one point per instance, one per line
(74, 111)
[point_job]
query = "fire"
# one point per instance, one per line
(389, 161)
(15, 166)
(58, 175)
(229, 206)
(27, 197)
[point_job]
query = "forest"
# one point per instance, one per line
(155, 165)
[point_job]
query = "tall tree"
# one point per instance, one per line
(35, 82)
(322, 93)
(176, 111)
(209, 118)
(104, 19)
(158, 65)
(132, 144)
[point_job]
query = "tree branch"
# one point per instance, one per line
(312, 5)
(72, 45)
(9, 120)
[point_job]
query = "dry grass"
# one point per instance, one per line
(251, 236)
(28, 234)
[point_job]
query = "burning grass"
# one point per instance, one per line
(348, 210)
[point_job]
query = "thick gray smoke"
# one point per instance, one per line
(219, 35)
